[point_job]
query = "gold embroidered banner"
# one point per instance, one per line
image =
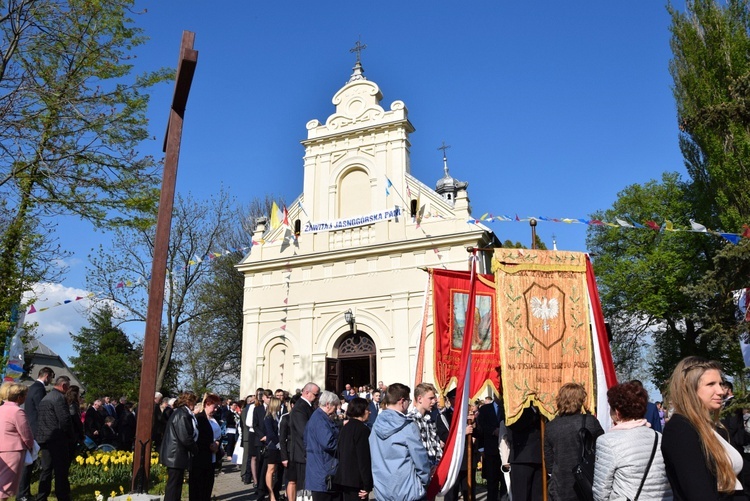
(545, 336)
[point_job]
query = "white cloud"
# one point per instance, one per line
(55, 318)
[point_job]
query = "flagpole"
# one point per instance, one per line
(447, 471)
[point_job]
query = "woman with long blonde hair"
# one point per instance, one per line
(272, 456)
(701, 465)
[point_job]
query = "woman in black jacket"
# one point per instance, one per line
(201, 481)
(354, 474)
(701, 465)
(561, 442)
(272, 455)
(179, 444)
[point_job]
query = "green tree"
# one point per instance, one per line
(644, 278)
(509, 244)
(107, 362)
(711, 72)
(219, 331)
(71, 120)
(122, 271)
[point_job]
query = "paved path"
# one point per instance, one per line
(229, 487)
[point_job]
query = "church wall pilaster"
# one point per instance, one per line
(305, 371)
(250, 333)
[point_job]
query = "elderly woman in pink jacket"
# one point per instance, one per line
(15, 439)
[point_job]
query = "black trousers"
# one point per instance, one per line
(261, 468)
(231, 442)
(526, 481)
(461, 487)
(55, 460)
(326, 496)
(175, 479)
(24, 485)
(300, 468)
(200, 484)
(350, 494)
(491, 472)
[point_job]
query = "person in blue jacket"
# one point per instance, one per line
(400, 466)
(652, 413)
(321, 441)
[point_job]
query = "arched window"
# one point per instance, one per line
(354, 194)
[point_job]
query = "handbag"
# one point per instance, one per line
(31, 455)
(583, 472)
(238, 453)
(648, 467)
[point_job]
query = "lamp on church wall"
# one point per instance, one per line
(349, 317)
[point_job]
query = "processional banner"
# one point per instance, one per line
(545, 335)
(450, 292)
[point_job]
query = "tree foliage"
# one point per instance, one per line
(107, 363)
(210, 353)
(123, 271)
(644, 278)
(71, 119)
(711, 72)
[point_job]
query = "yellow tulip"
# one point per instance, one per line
(113, 494)
(122, 491)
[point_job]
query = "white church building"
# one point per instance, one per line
(343, 301)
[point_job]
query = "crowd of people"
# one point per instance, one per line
(383, 440)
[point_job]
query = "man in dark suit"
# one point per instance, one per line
(443, 428)
(526, 456)
(298, 419)
(259, 416)
(374, 408)
(37, 391)
(56, 439)
(248, 440)
(94, 422)
(491, 417)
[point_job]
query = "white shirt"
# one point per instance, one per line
(249, 417)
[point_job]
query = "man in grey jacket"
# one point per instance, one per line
(56, 440)
(400, 466)
(37, 391)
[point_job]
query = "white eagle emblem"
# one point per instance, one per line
(544, 309)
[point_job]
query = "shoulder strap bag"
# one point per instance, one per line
(648, 466)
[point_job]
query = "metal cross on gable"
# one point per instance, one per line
(358, 48)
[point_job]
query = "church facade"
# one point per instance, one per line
(336, 293)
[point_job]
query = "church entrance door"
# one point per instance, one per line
(355, 364)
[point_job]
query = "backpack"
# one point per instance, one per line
(583, 472)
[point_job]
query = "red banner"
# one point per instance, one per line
(450, 293)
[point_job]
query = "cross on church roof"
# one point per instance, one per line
(444, 147)
(445, 157)
(358, 48)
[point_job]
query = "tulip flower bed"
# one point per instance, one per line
(110, 468)
(102, 475)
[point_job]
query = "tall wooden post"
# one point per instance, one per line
(185, 71)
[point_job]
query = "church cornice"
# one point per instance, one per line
(471, 237)
(362, 131)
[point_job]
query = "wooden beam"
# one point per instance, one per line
(150, 364)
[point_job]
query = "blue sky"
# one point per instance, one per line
(550, 108)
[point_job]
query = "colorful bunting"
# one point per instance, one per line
(667, 225)
(33, 309)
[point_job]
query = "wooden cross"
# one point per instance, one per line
(358, 48)
(149, 365)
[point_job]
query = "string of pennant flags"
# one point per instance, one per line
(33, 309)
(122, 284)
(622, 223)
